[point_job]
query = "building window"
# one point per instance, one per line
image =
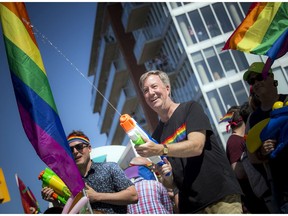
(214, 63)
(227, 61)
(240, 92)
(201, 67)
(198, 25)
(235, 13)
(245, 6)
(240, 59)
(227, 96)
(231, 57)
(221, 14)
(210, 21)
(216, 104)
(219, 62)
(186, 30)
(178, 4)
(175, 4)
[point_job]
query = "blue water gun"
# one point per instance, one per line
(277, 127)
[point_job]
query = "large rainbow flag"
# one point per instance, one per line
(35, 101)
(264, 31)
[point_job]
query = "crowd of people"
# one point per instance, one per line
(206, 177)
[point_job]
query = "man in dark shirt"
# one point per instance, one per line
(201, 170)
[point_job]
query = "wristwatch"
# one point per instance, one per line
(165, 150)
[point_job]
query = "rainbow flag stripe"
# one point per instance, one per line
(227, 117)
(264, 31)
(35, 101)
(179, 135)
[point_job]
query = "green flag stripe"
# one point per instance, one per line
(24, 68)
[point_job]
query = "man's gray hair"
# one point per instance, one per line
(162, 75)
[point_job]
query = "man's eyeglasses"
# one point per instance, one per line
(252, 80)
(79, 147)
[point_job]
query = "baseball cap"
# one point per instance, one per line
(255, 67)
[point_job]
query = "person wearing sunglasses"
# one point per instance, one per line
(265, 90)
(107, 187)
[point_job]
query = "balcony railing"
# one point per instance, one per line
(134, 15)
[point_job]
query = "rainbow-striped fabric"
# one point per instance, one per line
(35, 101)
(179, 135)
(227, 117)
(74, 138)
(264, 31)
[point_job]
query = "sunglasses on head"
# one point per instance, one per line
(252, 80)
(79, 147)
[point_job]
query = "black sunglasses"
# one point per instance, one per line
(251, 81)
(79, 147)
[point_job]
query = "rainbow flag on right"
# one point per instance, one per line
(264, 31)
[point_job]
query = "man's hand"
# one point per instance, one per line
(164, 169)
(268, 146)
(149, 148)
(46, 193)
(91, 193)
(167, 181)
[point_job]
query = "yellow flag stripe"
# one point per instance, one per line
(13, 27)
(257, 31)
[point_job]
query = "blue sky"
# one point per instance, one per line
(69, 26)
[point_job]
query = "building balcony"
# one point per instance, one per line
(134, 15)
(99, 20)
(147, 45)
(161, 62)
(116, 80)
(108, 50)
